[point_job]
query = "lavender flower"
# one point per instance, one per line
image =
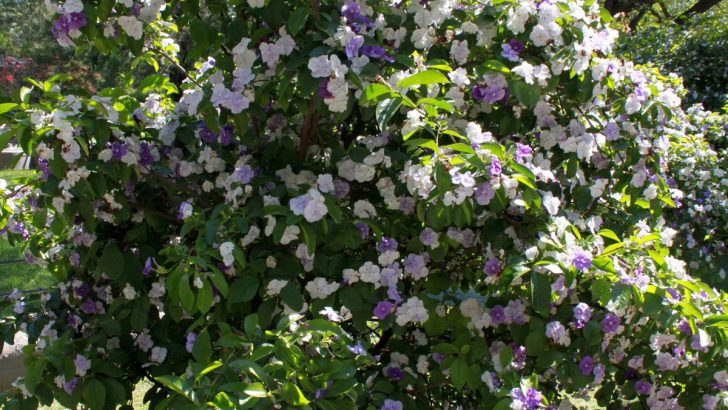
(582, 314)
(582, 261)
(383, 309)
(492, 267)
(611, 323)
(643, 387)
(357, 349)
(391, 405)
(190, 341)
(586, 365)
(387, 244)
(394, 373)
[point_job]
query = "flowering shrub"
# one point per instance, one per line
(699, 167)
(694, 50)
(358, 205)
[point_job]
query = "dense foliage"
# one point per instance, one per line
(695, 50)
(373, 205)
(28, 49)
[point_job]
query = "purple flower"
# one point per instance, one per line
(582, 261)
(226, 135)
(185, 210)
(145, 154)
(533, 398)
(495, 167)
(383, 309)
(391, 405)
(207, 64)
(357, 349)
(394, 295)
(244, 174)
(394, 373)
(492, 94)
(70, 386)
(147, 266)
(428, 237)
(323, 89)
(484, 193)
(341, 189)
(497, 315)
(478, 92)
(353, 46)
(582, 314)
(610, 323)
(88, 306)
(206, 135)
(377, 52)
(509, 53)
(516, 45)
(522, 151)
(118, 150)
(363, 229)
(387, 244)
(353, 15)
(586, 365)
(492, 267)
(83, 290)
(190, 341)
(684, 326)
(643, 387)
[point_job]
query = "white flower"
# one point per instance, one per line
(256, 4)
(524, 70)
(459, 51)
(275, 286)
(412, 311)
(133, 27)
(370, 273)
(320, 66)
(290, 234)
(129, 292)
(158, 354)
(320, 288)
(82, 365)
(459, 76)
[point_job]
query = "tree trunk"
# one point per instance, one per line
(700, 7)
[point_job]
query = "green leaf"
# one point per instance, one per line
(309, 237)
(506, 356)
(178, 385)
(441, 104)
(243, 289)
(297, 20)
(526, 94)
(291, 296)
(374, 91)
(255, 390)
(204, 297)
(211, 367)
(186, 296)
(94, 394)
(459, 372)
(292, 394)
(202, 349)
(424, 78)
(495, 65)
(111, 262)
(385, 110)
(540, 293)
(5, 107)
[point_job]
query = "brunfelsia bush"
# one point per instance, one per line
(358, 205)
